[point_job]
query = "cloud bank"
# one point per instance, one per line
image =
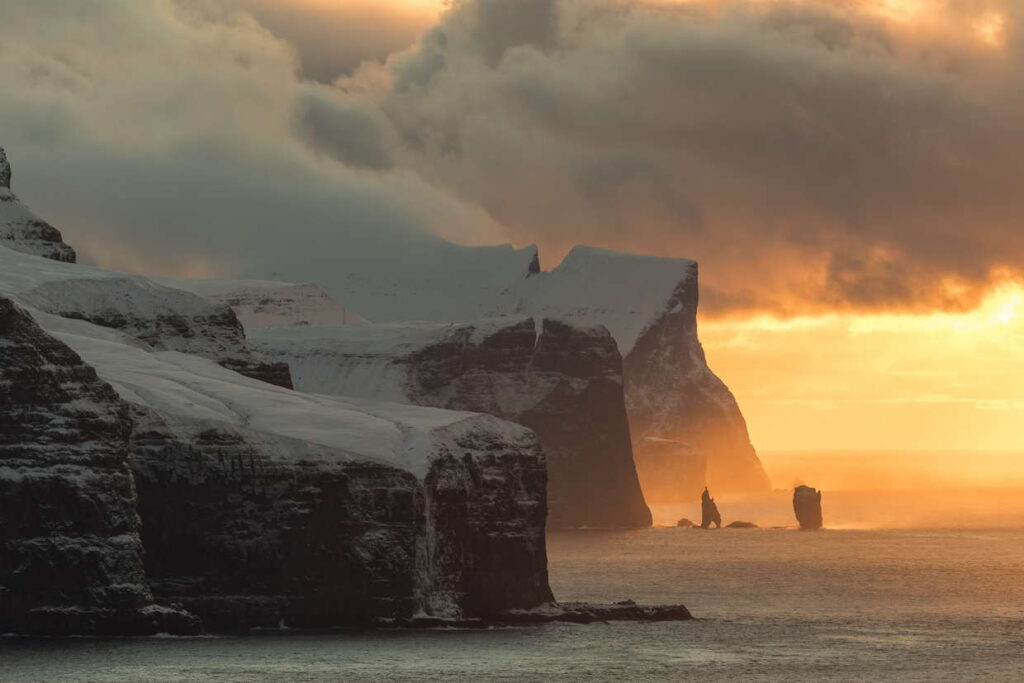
(812, 155)
(832, 154)
(178, 138)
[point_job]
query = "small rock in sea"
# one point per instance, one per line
(741, 525)
(807, 506)
(709, 511)
(686, 523)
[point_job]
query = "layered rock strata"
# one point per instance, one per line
(70, 551)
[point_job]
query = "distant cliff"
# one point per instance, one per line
(649, 306)
(562, 380)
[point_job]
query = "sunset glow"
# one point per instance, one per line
(943, 381)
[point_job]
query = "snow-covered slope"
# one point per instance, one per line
(161, 317)
(261, 504)
(189, 386)
(21, 229)
(562, 380)
(265, 303)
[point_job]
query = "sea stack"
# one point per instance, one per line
(807, 506)
(709, 511)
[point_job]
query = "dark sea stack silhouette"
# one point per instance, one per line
(70, 552)
(561, 379)
(22, 230)
(741, 525)
(709, 512)
(685, 523)
(807, 506)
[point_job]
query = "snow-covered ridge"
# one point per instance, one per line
(265, 303)
(188, 386)
(21, 229)
(623, 292)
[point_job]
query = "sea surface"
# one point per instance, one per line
(925, 604)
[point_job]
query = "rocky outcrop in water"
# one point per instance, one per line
(70, 553)
(709, 512)
(563, 380)
(807, 506)
(22, 230)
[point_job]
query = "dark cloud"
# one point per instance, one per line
(333, 38)
(177, 138)
(875, 155)
(810, 154)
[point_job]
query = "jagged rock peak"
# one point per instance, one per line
(532, 269)
(5, 170)
(22, 230)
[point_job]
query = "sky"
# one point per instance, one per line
(845, 171)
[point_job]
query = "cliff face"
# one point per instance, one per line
(647, 303)
(262, 505)
(70, 553)
(245, 537)
(671, 393)
(22, 230)
(563, 381)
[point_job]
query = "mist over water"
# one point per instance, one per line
(881, 490)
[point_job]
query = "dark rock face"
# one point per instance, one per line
(685, 523)
(70, 554)
(709, 512)
(5, 171)
(481, 544)
(164, 319)
(672, 394)
(244, 538)
(22, 230)
(807, 506)
(741, 525)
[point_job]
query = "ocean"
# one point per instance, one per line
(850, 604)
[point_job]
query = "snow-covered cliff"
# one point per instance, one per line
(562, 380)
(647, 303)
(259, 504)
(158, 316)
(70, 551)
(24, 231)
